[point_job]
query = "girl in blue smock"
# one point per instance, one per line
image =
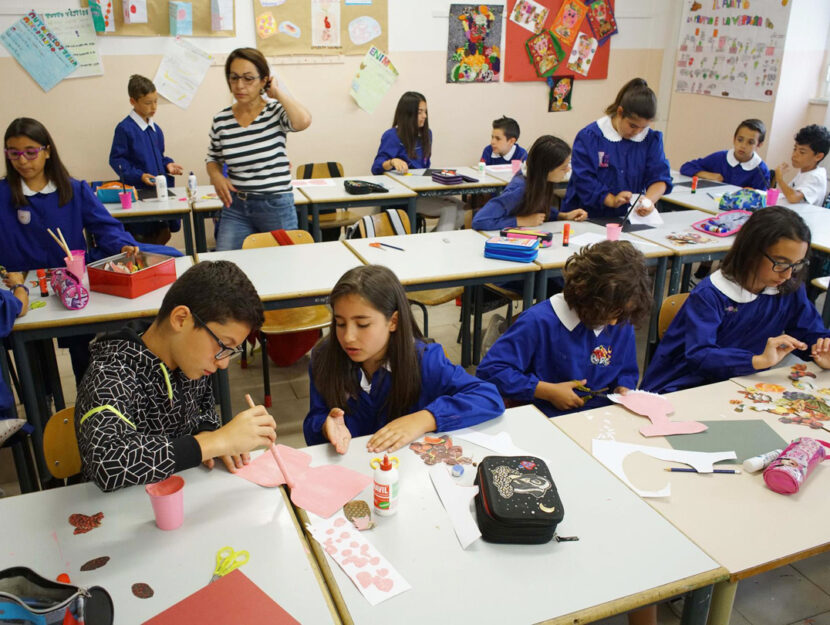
(376, 374)
(748, 315)
(618, 157)
(527, 200)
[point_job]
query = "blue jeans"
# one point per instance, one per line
(256, 213)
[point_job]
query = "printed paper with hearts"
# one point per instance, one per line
(373, 575)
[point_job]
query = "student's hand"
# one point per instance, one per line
(561, 395)
(615, 201)
(534, 219)
(232, 463)
(821, 353)
(781, 172)
(175, 169)
(148, 179)
(336, 431)
(248, 430)
(621, 390)
(577, 214)
(130, 250)
(777, 347)
(710, 175)
(13, 278)
(401, 431)
(644, 206)
(399, 165)
(223, 188)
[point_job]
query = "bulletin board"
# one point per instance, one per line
(158, 20)
(285, 28)
(517, 66)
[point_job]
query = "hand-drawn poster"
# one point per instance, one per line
(561, 89)
(545, 53)
(181, 71)
(38, 50)
(325, 23)
(601, 19)
(530, 15)
(474, 43)
(731, 48)
(74, 28)
(568, 21)
(373, 80)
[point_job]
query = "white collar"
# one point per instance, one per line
(509, 155)
(49, 188)
(366, 383)
(748, 166)
(567, 315)
(735, 291)
(138, 119)
(608, 131)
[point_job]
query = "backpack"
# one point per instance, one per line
(743, 199)
(353, 232)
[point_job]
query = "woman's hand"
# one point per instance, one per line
(334, 429)
(223, 188)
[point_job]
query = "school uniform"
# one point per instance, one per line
(721, 326)
(454, 397)
(812, 184)
(10, 308)
(753, 173)
(500, 211)
(548, 343)
(392, 147)
(603, 162)
(516, 152)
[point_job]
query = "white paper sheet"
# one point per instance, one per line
(501, 443)
(456, 501)
(652, 219)
(75, 29)
(181, 72)
(586, 238)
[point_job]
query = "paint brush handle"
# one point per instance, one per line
(274, 451)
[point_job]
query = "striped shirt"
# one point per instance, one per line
(255, 155)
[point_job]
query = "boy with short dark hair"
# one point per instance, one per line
(503, 148)
(810, 183)
(145, 407)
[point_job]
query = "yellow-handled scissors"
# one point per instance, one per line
(227, 560)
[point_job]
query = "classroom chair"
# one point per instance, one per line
(670, 307)
(286, 321)
(60, 445)
(333, 220)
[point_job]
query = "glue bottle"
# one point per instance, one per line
(481, 165)
(386, 485)
(191, 186)
(161, 186)
(757, 463)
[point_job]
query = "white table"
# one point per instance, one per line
(176, 207)
(705, 200)
(219, 510)
(627, 555)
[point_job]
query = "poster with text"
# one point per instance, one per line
(75, 29)
(181, 71)
(38, 50)
(373, 80)
(474, 43)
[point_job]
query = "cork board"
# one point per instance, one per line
(158, 20)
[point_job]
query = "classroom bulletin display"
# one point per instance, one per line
(320, 27)
(731, 48)
(158, 20)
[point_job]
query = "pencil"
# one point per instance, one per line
(685, 470)
(394, 247)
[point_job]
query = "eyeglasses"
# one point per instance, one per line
(246, 80)
(225, 351)
(29, 153)
(779, 267)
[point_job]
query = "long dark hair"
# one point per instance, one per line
(635, 98)
(546, 153)
(336, 376)
(761, 231)
(54, 169)
(406, 123)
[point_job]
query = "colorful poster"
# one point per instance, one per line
(363, 29)
(135, 11)
(601, 19)
(474, 43)
(373, 80)
(561, 89)
(568, 21)
(731, 49)
(582, 54)
(38, 50)
(325, 24)
(530, 15)
(75, 29)
(545, 53)
(181, 72)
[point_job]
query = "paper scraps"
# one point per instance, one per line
(474, 43)
(142, 590)
(657, 408)
(561, 90)
(566, 24)
(687, 238)
(798, 407)
(95, 563)
(84, 523)
(358, 513)
(582, 54)
(456, 501)
(601, 20)
(530, 15)
(545, 53)
(374, 576)
(437, 449)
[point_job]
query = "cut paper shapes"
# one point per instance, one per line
(545, 53)
(84, 523)
(474, 40)
(561, 89)
(582, 54)
(799, 407)
(438, 449)
(363, 29)
(456, 501)
(601, 19)
(221, 15)
(612, 454)
(142, 590)
(687, 238)
(657, 408)
(566, 24)
(95, 563)
(181, 18)
(266, 25)
(290, 29)
(359, 514)
(746, 437)
(530, 15)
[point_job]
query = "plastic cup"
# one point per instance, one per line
(516, 164)
(126, 198)
(772, 197)
(612, 232)
(77, 264)
(167, 498)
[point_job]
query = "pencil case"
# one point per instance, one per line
(517, 500)
(451, 177)
(787, 473)
(362, 187)
(68, 287)
(545, 238)
(108, 192)
(743, 199)
(518, 250)
(724, 224)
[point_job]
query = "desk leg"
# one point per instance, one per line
(687, 278)
(315, 223)
(527, 292)
(659, 289)
(303, 208)
(466, 301)
(188, 235)
(723, 596)
(199, 232)
(674, 277)
(27, 386)
(696, 607)
(477, 312)
(541, 284)
(410, 212)
(223, 390)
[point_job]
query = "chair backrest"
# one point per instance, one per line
(60, 445)
(385, 224)
(671, 306)
(330, 169)
(266, 239)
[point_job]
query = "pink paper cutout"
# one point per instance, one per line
(657, 409)
(263, 470)
(362, 523)
(364, 578)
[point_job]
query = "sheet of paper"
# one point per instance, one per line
(586, 238)
(75, 29)
(135, 11)
(374, 576)
(325, 24)
(181, 71)
(501, 443)
(181, 18)
(38, 50)
(657, 408)
(221, 15)
(314, 182)
(652, 219)
(456, 501)
(373, 80)
(500, 168)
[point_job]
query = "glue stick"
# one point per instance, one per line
(386, 485)
(566, 234)
(41, 278)
(694, 184)
(757, 463)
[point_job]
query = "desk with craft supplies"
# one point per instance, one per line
(734, 518)
(556, 582)
(502, 172)
(220, 510)
(154, 210)
(706, 198)
(425, 186)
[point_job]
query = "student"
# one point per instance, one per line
(137, 155)
(145, 407)
(249, 137)
(376, 374)
(618, 157)
(748, 315)
(741, 166)
(14, 303)
(503, 149)
(582, 336)
(810, 183)
(527, 200)
(408, 145)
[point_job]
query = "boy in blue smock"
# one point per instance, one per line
(503, 148)
(741, 166)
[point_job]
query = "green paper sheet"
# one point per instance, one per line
(747, 438)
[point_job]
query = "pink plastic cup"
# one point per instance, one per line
(167, 498)
(77, 264)
(516, 164)
(612, 232)
(126, 198)
(772, 197)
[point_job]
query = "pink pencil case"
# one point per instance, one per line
(788, 471)
(69, 289)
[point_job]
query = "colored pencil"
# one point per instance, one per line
(685, 470)
(394, 247)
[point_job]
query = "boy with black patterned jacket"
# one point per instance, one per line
(145, 407)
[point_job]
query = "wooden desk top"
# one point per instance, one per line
(418, 182)
(336, 193)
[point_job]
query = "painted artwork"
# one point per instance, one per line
(560, 93)
(545, 53)
(135, 11)
(266, 25)
(474, 40)
(567, 22)
(325, 24)
(582, 54)
(601, 20)
(530, 15)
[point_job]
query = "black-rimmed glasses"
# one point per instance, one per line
(779, 267)
(246, 80)
(224, 351)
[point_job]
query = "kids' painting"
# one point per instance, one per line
(601, 19)
(530, 15)
(545, 53)
(568, 20)
(560, 93)
(582, 54)
(325, 24)
(474, 39)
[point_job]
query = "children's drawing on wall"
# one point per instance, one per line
(568, 21)
(474, 39)
(363, 29)
(582, 54)
(545, 53)
(561, 88)
(530, 15)
(325, 24)
(266, 25)
(601, 20)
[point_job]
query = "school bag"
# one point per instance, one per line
(743, 199)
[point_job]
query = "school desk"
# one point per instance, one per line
(219, 510)
(426, 187)
(736, 519)
(627, 555)
(54, 320)
(333, 195)
(154, 210)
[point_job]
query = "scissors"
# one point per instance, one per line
(228, 560)
(591, 393)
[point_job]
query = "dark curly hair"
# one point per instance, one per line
(816, 137)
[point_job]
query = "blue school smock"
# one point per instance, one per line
(721, 326)
(454, 397)
(10, 308)
(754, 173)
(25, 246)
(136, 151)
(500, 211)
(518, 154)
(391, 147)
(603, 162)
(548, 343)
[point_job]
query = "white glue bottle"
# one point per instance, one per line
(757, 463)
(386, 485)
(161, 187)
(191, 186)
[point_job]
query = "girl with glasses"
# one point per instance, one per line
(748, 315)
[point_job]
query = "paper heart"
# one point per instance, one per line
(383, 572)
(364, 578)
(374, 561)
(384, 583)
